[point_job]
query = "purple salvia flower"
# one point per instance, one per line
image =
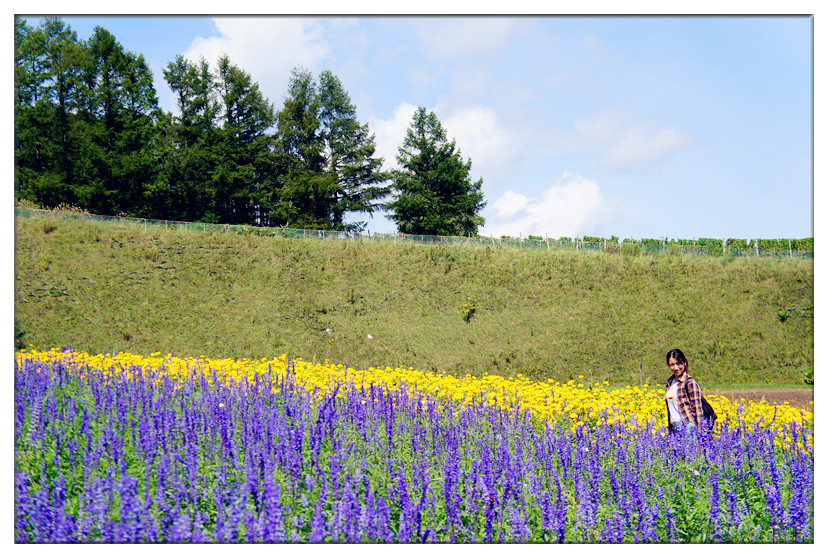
(714, 515)
(297, 525)
(181, 529)
(518, 530)
(198, 534)
(382, 518)
(127, 529)
(64, 524)
(587, 508)
(24, 509)
(801, 500)
(318, 525)
(613, 529)
(734, 517)
(406, 513)
(348, 512)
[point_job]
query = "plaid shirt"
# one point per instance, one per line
(689, 399)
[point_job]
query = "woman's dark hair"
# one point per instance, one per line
(676, 354)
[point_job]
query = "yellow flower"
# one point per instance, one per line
(548, 400)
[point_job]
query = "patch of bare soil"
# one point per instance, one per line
(799, 398)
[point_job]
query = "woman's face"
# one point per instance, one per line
(677, 367)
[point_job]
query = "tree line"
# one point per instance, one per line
(89, 132)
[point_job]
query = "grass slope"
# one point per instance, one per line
(105, 287)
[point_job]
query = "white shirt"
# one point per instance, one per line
(672, 404)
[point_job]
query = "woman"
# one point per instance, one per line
(683, 396)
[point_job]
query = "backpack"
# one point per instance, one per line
(709, 413)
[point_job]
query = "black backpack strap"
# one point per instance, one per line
(708, 411)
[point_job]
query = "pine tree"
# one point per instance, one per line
(327, 156)
(34, 113)
(118, 121)
(86, 120)
(350, 156)
(244, 147)
(307, 191)
(191, 136)
(434, 194)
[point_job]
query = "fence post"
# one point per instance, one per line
(790, 249)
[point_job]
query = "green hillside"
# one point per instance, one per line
(104, 287)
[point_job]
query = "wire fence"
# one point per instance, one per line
(630, 247)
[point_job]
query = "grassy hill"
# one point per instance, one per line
(104, 287)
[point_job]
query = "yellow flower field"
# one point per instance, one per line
(573, 402)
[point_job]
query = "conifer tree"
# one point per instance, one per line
(192, 133)
(328, 156)
(433, 193)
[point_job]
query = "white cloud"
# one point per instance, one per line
(267, 48)
(389, 134)
(480, 137)
(462, 37)
(510, 203)
(572, 206)
(620, 141)
(643, 144)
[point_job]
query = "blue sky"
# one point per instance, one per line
(640, 127)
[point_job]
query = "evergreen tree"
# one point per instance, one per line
(192, 135)
(306, 193)
(222, 161)
(88, 131)
(350, 156)
(65, 60)
(85, 120)
(118, 130)
(434, 194)
(244, 147)
(37, 176)
(327, 157)
(140, 138)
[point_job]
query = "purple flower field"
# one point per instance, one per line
(150, 459)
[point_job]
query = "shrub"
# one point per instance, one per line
(469, 308)
(737, 243)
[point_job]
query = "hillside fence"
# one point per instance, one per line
(627, 246)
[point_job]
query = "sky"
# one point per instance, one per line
(635, 127)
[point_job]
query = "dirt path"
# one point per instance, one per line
(800, 398)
